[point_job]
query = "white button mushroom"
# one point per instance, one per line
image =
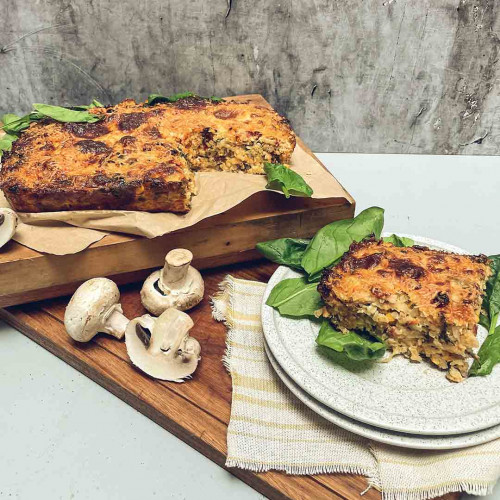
(177, 285)
(8, 225)
(162, 347)
(95, 308)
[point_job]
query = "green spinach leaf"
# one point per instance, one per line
(13, 124)
(484, 321)
(64, 114)
(94, 104)
(281, 178)
(6, 142)
(399, 241)
(10, 118)
(489, 355)
(333, 240)
(355, 346)
(491, 300)
(158, 98)
(295, 297)
(286, 251)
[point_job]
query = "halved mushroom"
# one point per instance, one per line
(162, 347)
(177, 285)
(95, 308)
(8, 225)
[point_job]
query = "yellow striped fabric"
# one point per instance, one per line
(270, 429)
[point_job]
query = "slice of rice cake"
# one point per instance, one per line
(423, 303)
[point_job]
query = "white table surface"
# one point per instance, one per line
(63, 436)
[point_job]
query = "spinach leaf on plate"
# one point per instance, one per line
(286, 251)
(484, 321)
(356, 346)
(489, 355)
(491, 300)
(295, 297)
(333, 240)
(284, 179)
(399, 241)
(489, 352)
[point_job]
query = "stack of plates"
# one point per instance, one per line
(400, 403)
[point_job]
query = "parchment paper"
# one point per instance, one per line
(68, 232)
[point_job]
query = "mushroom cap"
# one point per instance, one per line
(161, 347)
(89, 307)
(8, 225)
(157, 301)
(152, 298)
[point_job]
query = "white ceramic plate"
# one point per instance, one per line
(413, 398)
(420, 442)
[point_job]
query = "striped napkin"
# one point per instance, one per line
(270, 428)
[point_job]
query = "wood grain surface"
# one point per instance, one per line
(27, 275)
(197, 411)
(371, 76)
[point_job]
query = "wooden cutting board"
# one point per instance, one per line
(27, 275)
(197, 411)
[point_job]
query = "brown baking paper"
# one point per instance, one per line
(68, 232)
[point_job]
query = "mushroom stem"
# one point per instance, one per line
(162, 347)
(115, 322)
(169, 331)
(174, 272)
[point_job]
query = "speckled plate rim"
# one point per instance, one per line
(370, 405)
(416, 442)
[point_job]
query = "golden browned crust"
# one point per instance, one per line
(422, 302)
(139, 157)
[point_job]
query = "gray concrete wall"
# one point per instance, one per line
(392, 76)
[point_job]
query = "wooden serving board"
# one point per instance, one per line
(27, 275)
(197, 411)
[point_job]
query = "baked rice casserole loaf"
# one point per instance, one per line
(423, 303)
(140, 157)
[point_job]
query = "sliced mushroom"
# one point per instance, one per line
(162, 347)
(177, 285)
(95, 308)
(8, 225)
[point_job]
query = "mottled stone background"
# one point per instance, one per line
(374, 76)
